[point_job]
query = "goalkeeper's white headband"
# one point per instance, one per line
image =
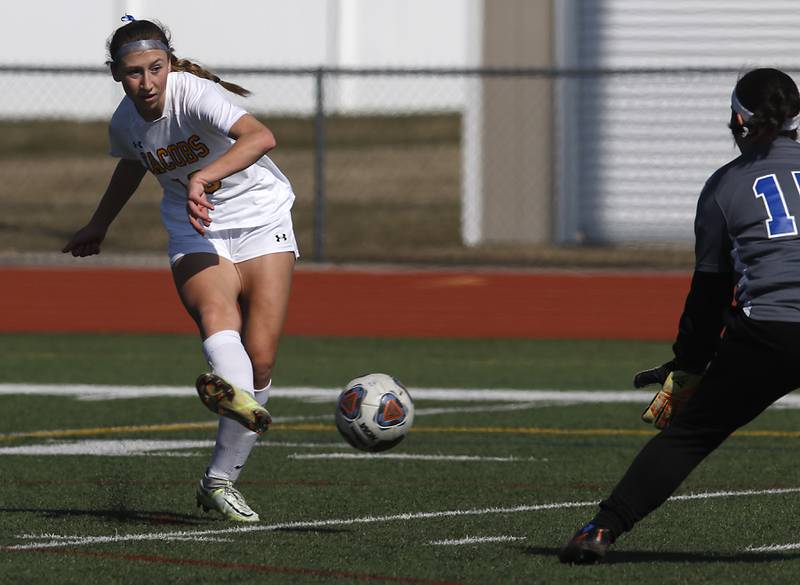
(736, 105)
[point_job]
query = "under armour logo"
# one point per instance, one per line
(279, 237)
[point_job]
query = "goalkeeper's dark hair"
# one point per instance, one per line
(139, 30)
(772, 96)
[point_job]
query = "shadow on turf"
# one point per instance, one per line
(639, 556)
(116, 515)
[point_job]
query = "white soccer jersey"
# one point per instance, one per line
(191, 134)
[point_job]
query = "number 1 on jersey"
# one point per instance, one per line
(780, 223)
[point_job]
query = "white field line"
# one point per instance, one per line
(286, 420)
(199, 539)
(277, 420)
(138, 447)
(485, 408)
(94, 392)
(731, 494)
(405, 457)
(292, 420)
(175, 538)
(440, 410)
(773, 548)
(108, 392)
(169, 448)
(475, 540)
(104, 448)
(55, 542)
(49, 535)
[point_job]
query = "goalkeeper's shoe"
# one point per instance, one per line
(226, 500)
(227, 400)
(588, 546)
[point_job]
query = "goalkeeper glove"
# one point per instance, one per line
(677, 386)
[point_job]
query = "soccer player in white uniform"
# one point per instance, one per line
(227, 210)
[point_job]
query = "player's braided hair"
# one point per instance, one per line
(195, 69)
(139, 30)
(773, 98)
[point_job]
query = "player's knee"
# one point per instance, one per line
(262, 369)
(216, 316)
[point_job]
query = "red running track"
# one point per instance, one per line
(371, 303)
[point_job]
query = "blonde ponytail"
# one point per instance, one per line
(195, 69)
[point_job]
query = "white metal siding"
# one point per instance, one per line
(647, 143)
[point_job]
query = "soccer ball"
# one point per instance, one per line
(375, 412)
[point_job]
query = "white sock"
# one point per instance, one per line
(233, 447)
(262, 395)
(227, 357)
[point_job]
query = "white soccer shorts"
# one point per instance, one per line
(237, 245)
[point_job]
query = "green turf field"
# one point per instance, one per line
(486, 491)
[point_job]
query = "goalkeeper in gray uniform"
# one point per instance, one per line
(747, 245)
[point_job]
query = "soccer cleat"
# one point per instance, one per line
(226, 500)
(588, 546)
(227, 400)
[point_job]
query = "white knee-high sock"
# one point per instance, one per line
(233, 446)
(227, 357)
(262, 394)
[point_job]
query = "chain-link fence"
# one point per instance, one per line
(511, 166)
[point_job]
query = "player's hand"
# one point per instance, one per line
(198, 205)
(677, 386)
(86, 241)
(652, 376)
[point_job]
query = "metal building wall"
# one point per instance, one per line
(638, 148)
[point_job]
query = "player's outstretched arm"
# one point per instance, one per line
(698, 338)
(253, 140)
(124, 182)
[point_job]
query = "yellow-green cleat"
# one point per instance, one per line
(227, 400)
(226, 500)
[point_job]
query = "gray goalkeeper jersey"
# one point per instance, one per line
(747, 223)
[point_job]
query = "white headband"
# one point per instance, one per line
(738, 107)
(139, 46)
